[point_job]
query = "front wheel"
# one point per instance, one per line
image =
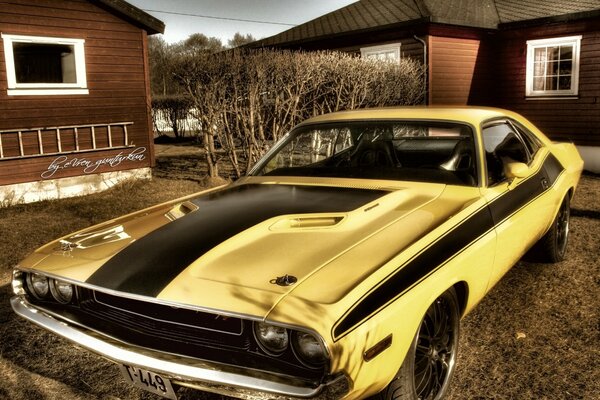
(427, 368)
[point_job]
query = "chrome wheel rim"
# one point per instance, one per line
(436, 347)
(562, 228)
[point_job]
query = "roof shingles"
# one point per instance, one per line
(516, 10)
(370, 14)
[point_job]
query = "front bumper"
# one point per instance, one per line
(185, 371)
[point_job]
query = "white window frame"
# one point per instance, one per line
(575, 41)
(367, 52)
(43, 89)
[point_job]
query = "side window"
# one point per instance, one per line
(553, 67)
(38, 65)
(387, 52)
(502, 145)
(531, 141)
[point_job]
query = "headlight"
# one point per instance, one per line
(37, 285)
(273, 339)
(61, 291)
(309, 349)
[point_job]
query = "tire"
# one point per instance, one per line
(428, 367)
(551, 248)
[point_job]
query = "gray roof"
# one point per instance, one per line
(374, 14)
(517, 10)
(134, 15)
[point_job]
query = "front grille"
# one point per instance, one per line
(187, 326)
(175, 315)
(206, 336)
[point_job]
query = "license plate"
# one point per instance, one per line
(149, 381)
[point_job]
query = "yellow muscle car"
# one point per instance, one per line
(340, 267)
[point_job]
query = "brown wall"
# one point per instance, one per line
(116, 78)
(576, 119)
(489, 70)
(451, 68)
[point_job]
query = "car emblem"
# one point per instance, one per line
(65, 245)
(286, 280)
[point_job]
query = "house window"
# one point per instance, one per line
(38, 65)
(387, 52)
(553, 67)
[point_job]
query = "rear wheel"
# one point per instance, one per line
(427, 368)
(551, 248)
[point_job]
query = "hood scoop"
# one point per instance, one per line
(92, 239)
(181, 210)
(307, 222)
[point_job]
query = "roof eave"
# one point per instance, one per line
(130, 12)
(550, 20)
(298, 43)
(462, 24)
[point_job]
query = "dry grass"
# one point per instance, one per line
(535, 336)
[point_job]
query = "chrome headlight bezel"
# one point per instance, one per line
(58, 292)
(269, 348)
(31, 279)
(18, 283)
(300, 340)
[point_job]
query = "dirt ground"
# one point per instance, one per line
(535, 336)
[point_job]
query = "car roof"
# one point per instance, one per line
(471, 115)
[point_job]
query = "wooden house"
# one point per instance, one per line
(540, 58)
(74, 96)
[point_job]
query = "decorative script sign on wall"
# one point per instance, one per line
(89, 166)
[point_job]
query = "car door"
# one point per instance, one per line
(521, 207)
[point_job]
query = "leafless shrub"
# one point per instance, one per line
(246, 100)
(173, 111)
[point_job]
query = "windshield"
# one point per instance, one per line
(438, 152)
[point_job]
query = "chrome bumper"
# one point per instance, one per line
(181, 370)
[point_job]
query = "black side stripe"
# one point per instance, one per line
(449, 246)
(148, 265)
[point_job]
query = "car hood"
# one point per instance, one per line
(242, 248)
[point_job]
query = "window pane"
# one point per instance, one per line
(540, 54)
(552, 83)
(538, 83)
(539, 69)
(44, 63)
(566, 52)
(390, 55)
(566, 67)
(552, 53)
(564, 83)
(502, 146)
(552, 68)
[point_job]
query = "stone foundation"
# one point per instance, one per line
(67, 187)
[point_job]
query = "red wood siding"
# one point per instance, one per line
(117, 80)
(451, 67)
(575, 119)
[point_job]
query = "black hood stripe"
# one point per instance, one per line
(448, 246)
(148, 265)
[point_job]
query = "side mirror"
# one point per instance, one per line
(516, 170)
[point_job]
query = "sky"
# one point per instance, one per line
(281, 15)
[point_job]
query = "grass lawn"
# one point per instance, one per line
(535, 336)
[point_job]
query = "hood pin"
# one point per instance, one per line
(286, 280)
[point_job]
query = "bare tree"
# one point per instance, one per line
(239, 40)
